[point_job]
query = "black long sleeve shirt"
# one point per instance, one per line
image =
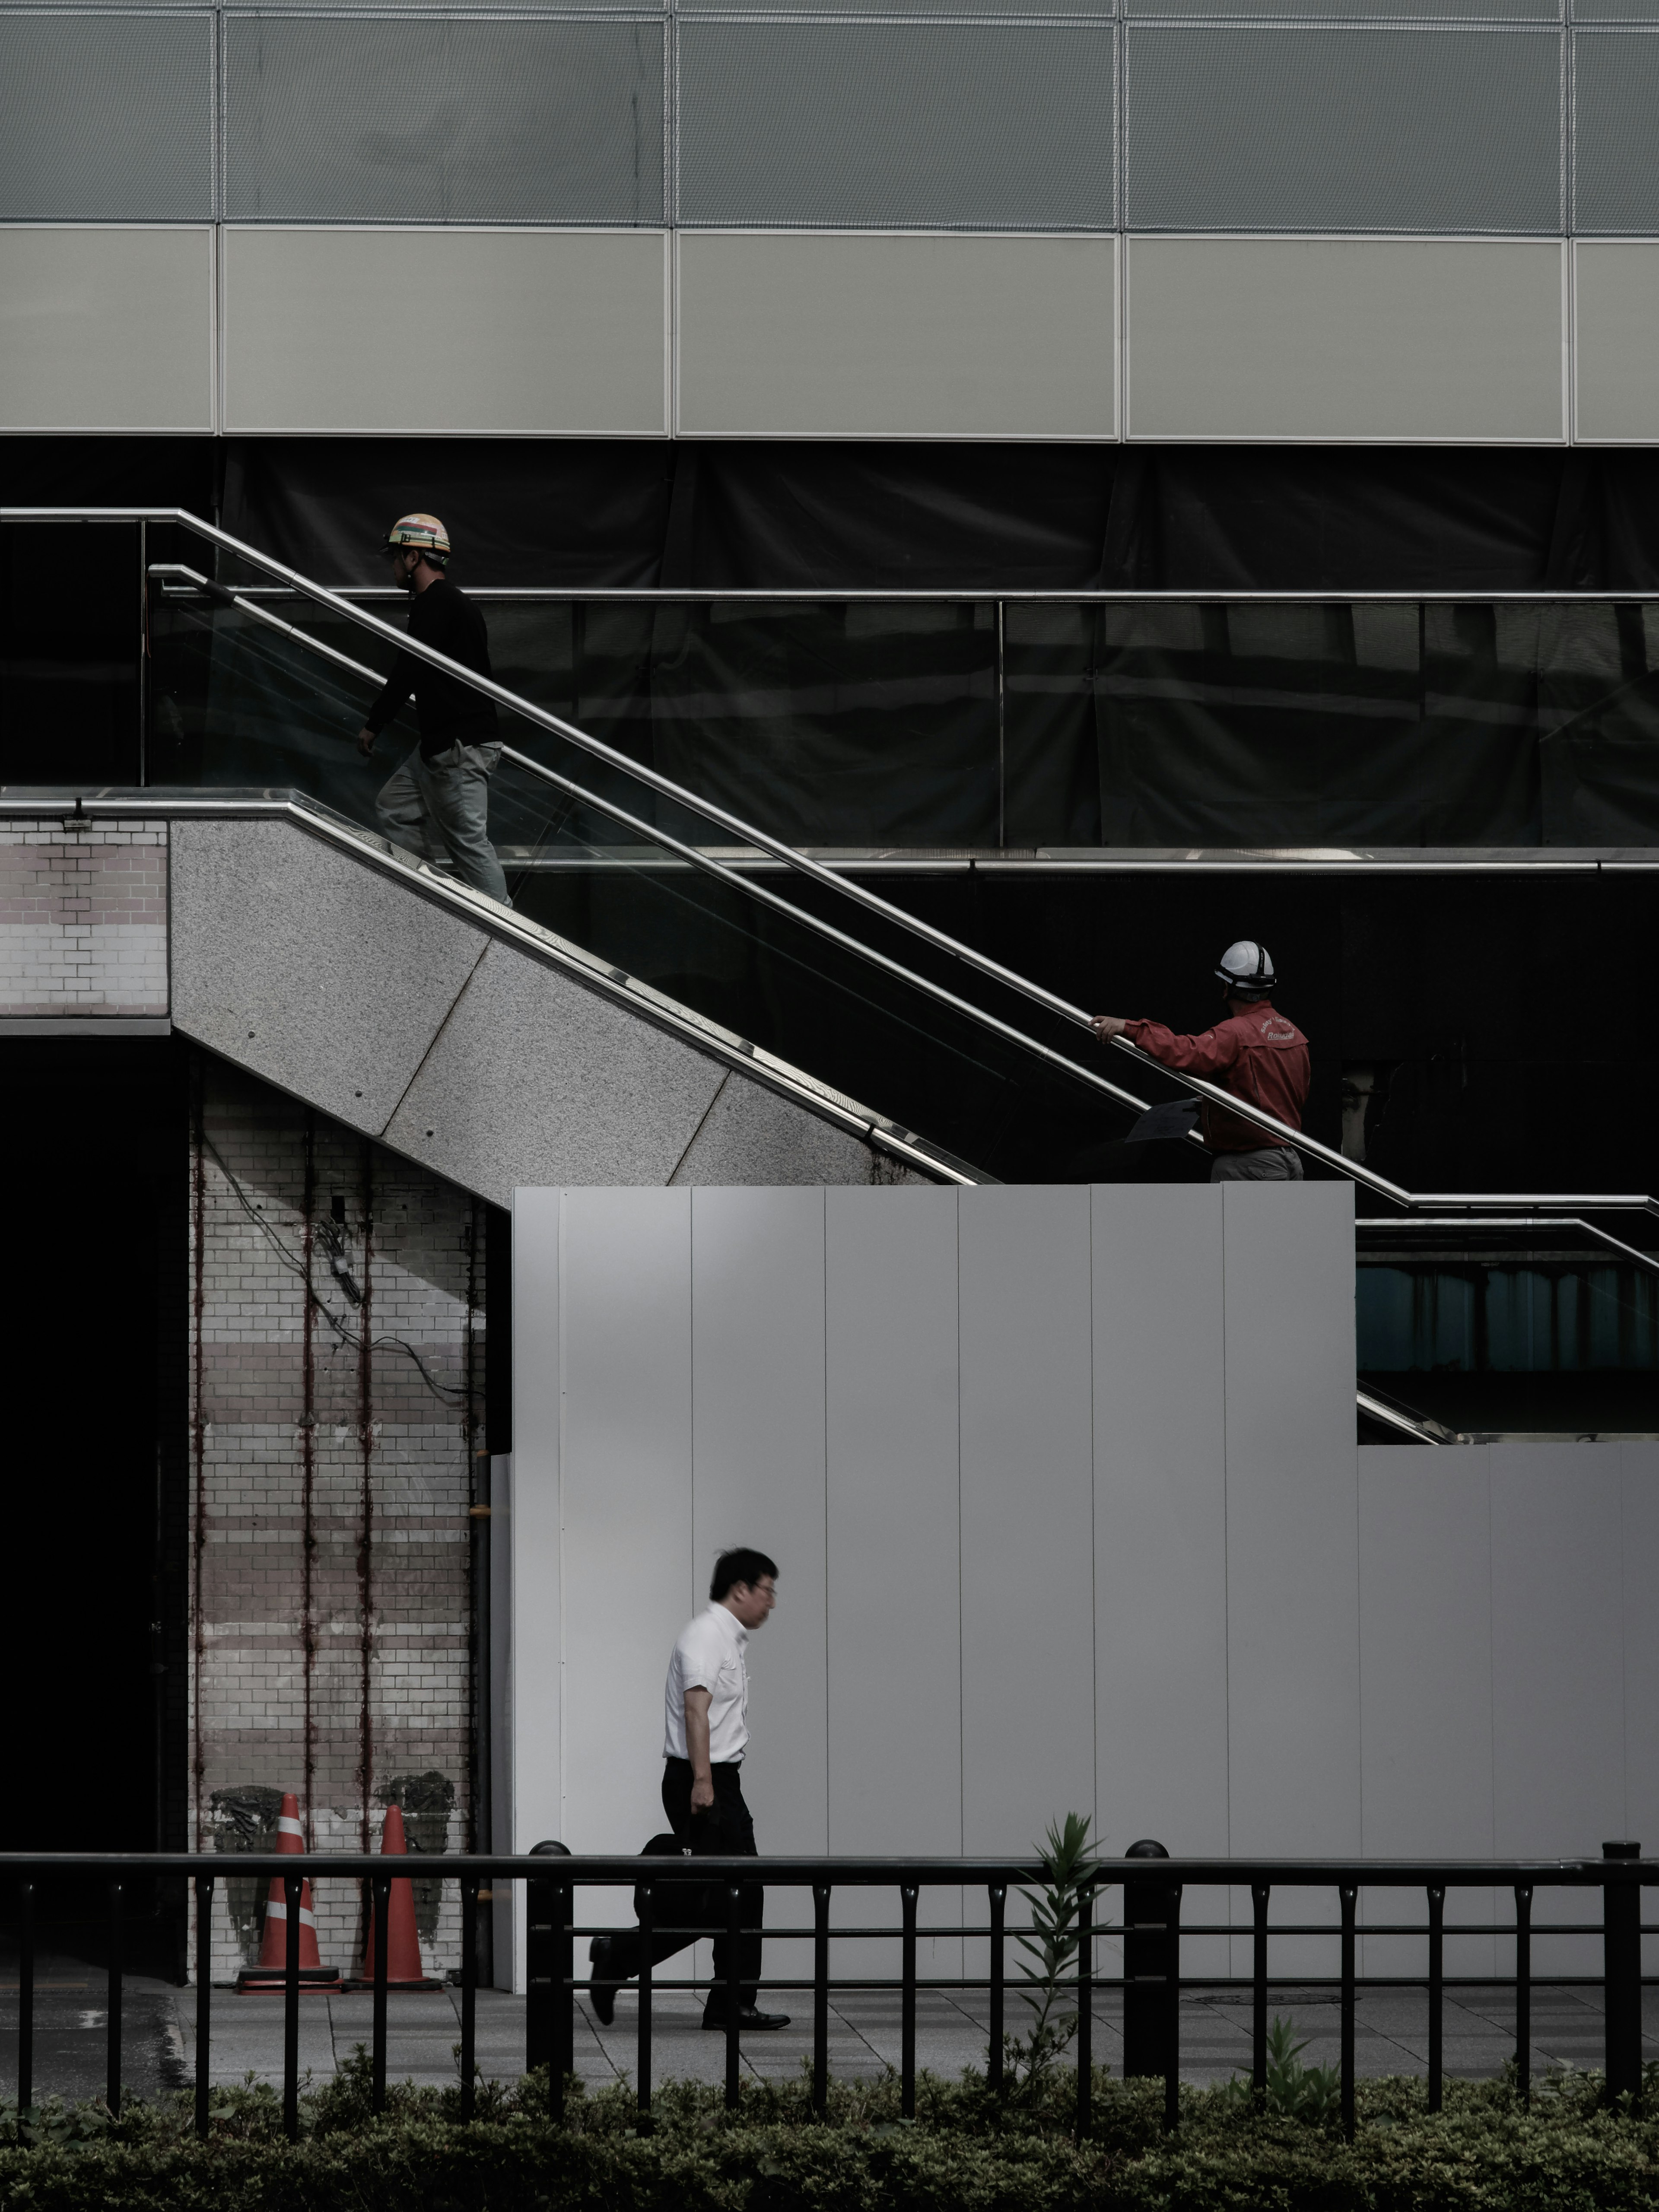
(447, 711)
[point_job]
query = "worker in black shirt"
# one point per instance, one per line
(437, 804)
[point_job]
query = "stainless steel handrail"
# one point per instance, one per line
(1354, 1171)
(1418, 1426)
(660, 839)
(838, 595)
(1610, 1202)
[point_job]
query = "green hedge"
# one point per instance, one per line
(964, 2152)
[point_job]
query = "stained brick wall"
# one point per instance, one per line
(337, 1389)
(83, 918)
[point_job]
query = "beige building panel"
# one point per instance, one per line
(813, 334)
(505, 332)
(1363, 339)
(1616, 341)
(105, 327)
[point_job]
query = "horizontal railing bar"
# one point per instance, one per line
(1193, 1986)
(604, 1871)
(944, 595)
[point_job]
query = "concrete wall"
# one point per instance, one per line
(481, 1048)
(1065, 1495)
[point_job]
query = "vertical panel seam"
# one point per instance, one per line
(824, 1416)
(1226, 1535)
(691, 1381)
(1624, 1662)
(562, 1293)
(1094, 1553)
(962, 1745)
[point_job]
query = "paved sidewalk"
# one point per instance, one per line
(425, 2030)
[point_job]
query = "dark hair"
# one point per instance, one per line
(740, 1566)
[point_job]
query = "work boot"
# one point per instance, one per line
(749, 2016)
(602, 1974)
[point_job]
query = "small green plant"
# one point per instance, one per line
(1049, 1967)
(1294, 2092)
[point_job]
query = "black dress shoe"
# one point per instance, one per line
(749, 2016)
(603, 2001)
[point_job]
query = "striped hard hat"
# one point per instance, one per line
(424, 532)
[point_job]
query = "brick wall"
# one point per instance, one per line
(337, 1390)
(83, 918)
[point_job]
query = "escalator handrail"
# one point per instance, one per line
(658, 839)
(1612, 1203)
(1354, 1171)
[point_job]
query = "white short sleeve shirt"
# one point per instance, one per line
(709, 1655)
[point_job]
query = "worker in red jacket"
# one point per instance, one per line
(1256, 1054)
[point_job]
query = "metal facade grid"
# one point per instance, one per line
(1202, 116)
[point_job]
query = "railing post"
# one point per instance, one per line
(203, 1995)
(1172, 2012)
(1350, 1894)
(1261, 1894)
(1621, 1944)
(563, 1952)
(380, 1891)
(26, 1997)
(997, 1894)
(469, 1996)
(733, 1988)
(542, 1998)
(907, 2003)
(820, 1997)
(292, 1890)
(113, 2046)
(1436, 1995)
(1524, 1990)
(1085, 2012)
(1145, 1968)
(647, 1915)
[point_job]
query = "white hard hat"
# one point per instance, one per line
(1247, 969)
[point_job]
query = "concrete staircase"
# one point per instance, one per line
(402, 1004)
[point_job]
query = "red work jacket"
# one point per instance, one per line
(1257, 1056)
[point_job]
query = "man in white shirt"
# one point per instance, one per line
(706, 1735)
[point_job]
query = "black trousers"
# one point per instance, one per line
(725, 1831)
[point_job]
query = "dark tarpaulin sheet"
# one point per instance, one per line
(766, 515)
(1468, 724)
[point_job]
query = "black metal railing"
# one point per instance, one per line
(1152, 1931)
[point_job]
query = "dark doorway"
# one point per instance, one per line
(94, 1635)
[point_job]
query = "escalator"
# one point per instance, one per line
(975, 1069)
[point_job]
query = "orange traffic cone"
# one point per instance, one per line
(272, 1973)
(403, 1943)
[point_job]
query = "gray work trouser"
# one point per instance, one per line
(1273, 1163)
(439, 810)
